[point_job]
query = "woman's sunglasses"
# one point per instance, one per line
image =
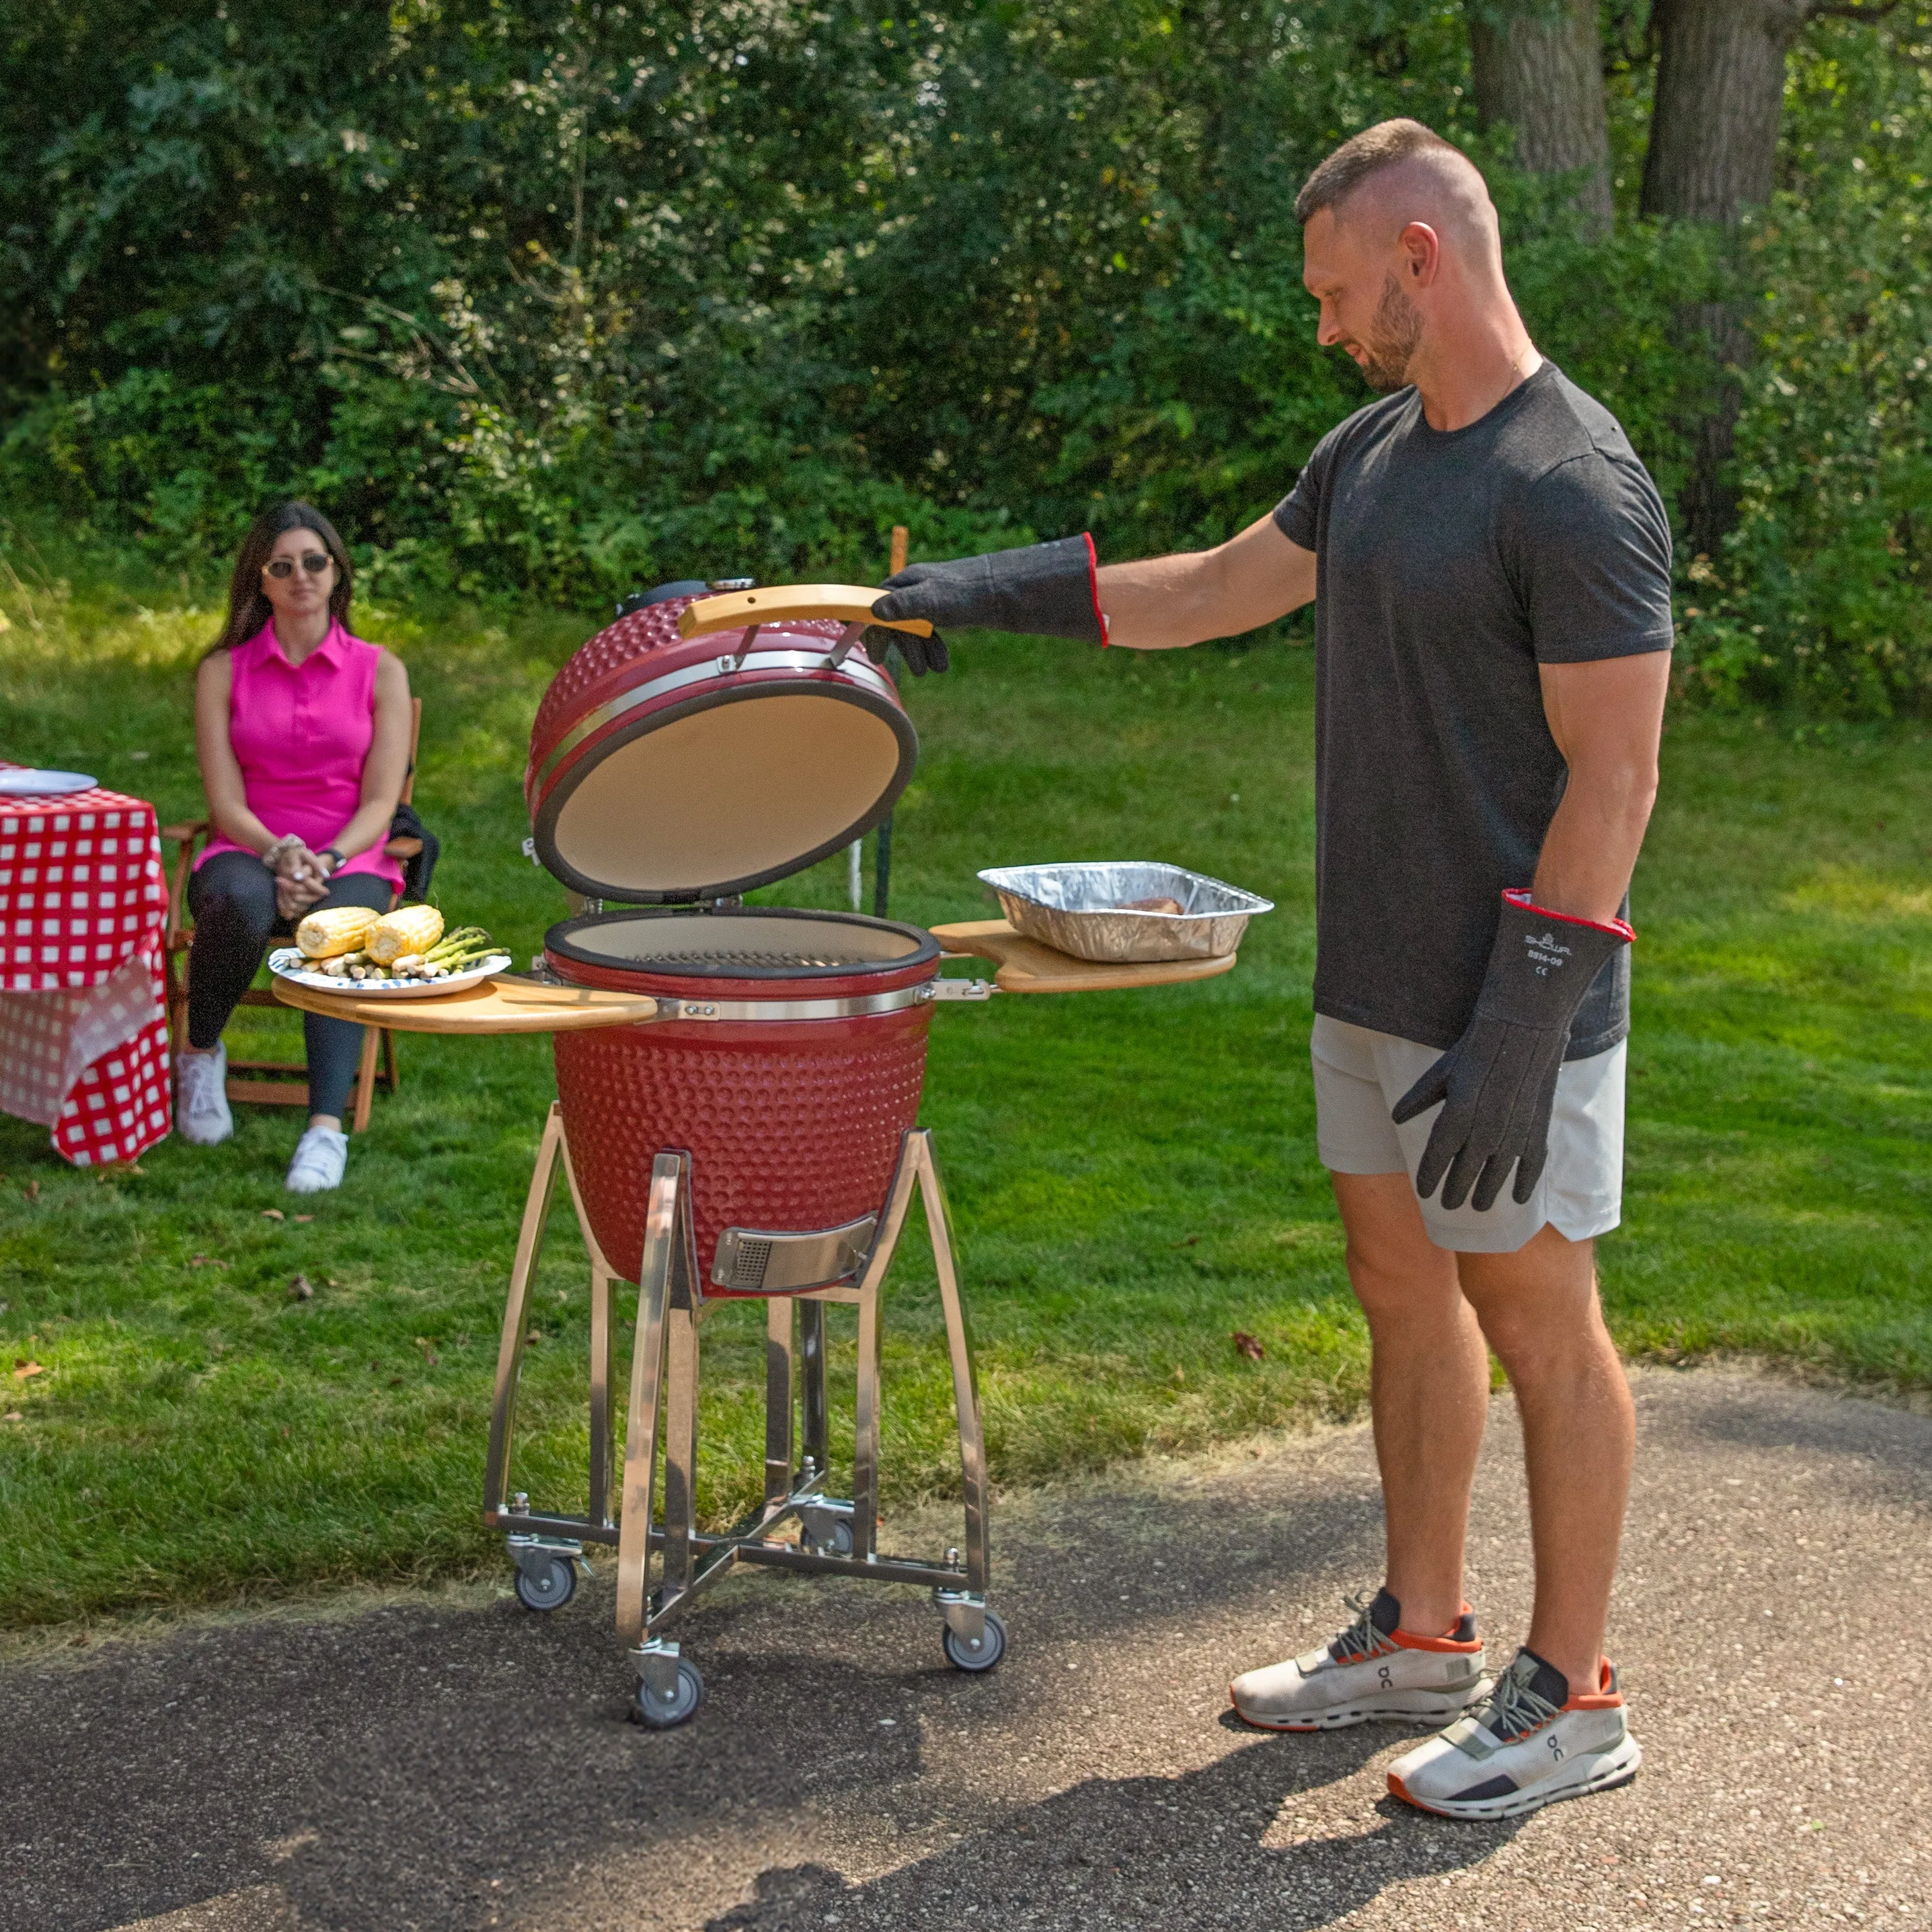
(315, 563)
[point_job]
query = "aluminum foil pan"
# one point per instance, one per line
(1089, 910)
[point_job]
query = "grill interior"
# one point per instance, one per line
(750, 942)
(769, 956)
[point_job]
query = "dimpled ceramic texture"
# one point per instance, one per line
(605, 665)
(790, 1127)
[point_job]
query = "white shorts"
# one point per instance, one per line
(1360, 1074)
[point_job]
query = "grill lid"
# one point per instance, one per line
(667, 770)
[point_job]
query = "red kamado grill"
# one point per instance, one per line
(748, 1125)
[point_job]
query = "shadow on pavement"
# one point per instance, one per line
(1213, 1847)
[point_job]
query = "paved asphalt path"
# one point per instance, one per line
(461, 1763)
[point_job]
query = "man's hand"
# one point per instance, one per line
(1498, 1081)
(1043, 590)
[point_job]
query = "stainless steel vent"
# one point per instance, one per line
(754, 1262)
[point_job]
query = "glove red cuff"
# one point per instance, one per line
(1617, 929)
(1094, 584)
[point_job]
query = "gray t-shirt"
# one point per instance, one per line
(1449, 564)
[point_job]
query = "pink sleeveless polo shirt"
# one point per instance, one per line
(301, 734)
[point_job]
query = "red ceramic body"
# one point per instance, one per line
(791, 1125)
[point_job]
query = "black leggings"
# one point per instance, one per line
(233, 898)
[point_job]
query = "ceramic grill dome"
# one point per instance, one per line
(665, 769)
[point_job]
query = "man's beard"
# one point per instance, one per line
(1393, 337)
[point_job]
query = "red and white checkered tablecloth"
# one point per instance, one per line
(83, 1018)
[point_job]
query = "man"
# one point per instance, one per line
(1490, 567)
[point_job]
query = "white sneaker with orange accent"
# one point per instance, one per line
(1373, 1668)
(1527, 1744)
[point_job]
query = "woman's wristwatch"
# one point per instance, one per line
(330, 852)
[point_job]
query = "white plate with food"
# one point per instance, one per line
(288, 962)
(406, 953)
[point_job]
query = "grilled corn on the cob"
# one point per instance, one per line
(410, 929)
(336, 929)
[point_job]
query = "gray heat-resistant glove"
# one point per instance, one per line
(1499, 1079)
(1047, 590)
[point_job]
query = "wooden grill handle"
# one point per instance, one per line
(789, 603)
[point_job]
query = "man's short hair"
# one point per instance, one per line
(1368, 153)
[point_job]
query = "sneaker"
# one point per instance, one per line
(321, 1155)
(1528, 1744)
(1374, 1669)
(201, 1097)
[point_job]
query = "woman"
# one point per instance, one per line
(303, 734)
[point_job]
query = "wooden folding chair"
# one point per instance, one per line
(275, 1083)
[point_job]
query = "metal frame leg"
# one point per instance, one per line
(680, 1503)
(516, 1315)
(604, 1278)
(813, 1451)
(866, 1427)
(781, 1320)
(664, 1220)
(965, 1380)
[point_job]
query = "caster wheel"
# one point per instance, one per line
(664, 1714)
(550, 1589)
(981, 1656)
(839, 1543)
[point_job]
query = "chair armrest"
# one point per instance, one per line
(402, 848)
(187, 829)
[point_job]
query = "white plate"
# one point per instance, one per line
(285, 963)
(32, 784)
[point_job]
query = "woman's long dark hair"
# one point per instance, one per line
(248, 609)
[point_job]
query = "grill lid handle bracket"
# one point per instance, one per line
(791, 604)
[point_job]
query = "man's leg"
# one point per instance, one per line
(1429, 1391)
(1539, 1310)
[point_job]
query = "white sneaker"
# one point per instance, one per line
(1374, 1669)
(201, 1097)
(1528, 1744)
(321, 1155)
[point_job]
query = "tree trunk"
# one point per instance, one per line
(1713, 153)
(1720, 88)
(1538, 68)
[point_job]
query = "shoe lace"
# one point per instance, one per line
(1361, 1638)
(1513, 1709)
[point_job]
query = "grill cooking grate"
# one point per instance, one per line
(750, 956)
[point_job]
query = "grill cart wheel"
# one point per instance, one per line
(665, 1713)
(981, 1656)
(550, 1587)
(838, 1543)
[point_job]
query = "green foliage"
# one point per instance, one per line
(563, 296)
(1821, 597)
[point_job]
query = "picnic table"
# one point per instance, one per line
(83, 1022)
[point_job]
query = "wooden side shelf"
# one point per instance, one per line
(1026, 966)
(508, 1003)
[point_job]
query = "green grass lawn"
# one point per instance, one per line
(1134, 1174)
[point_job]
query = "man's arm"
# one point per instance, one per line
(1166, 601)
(1606, 717)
